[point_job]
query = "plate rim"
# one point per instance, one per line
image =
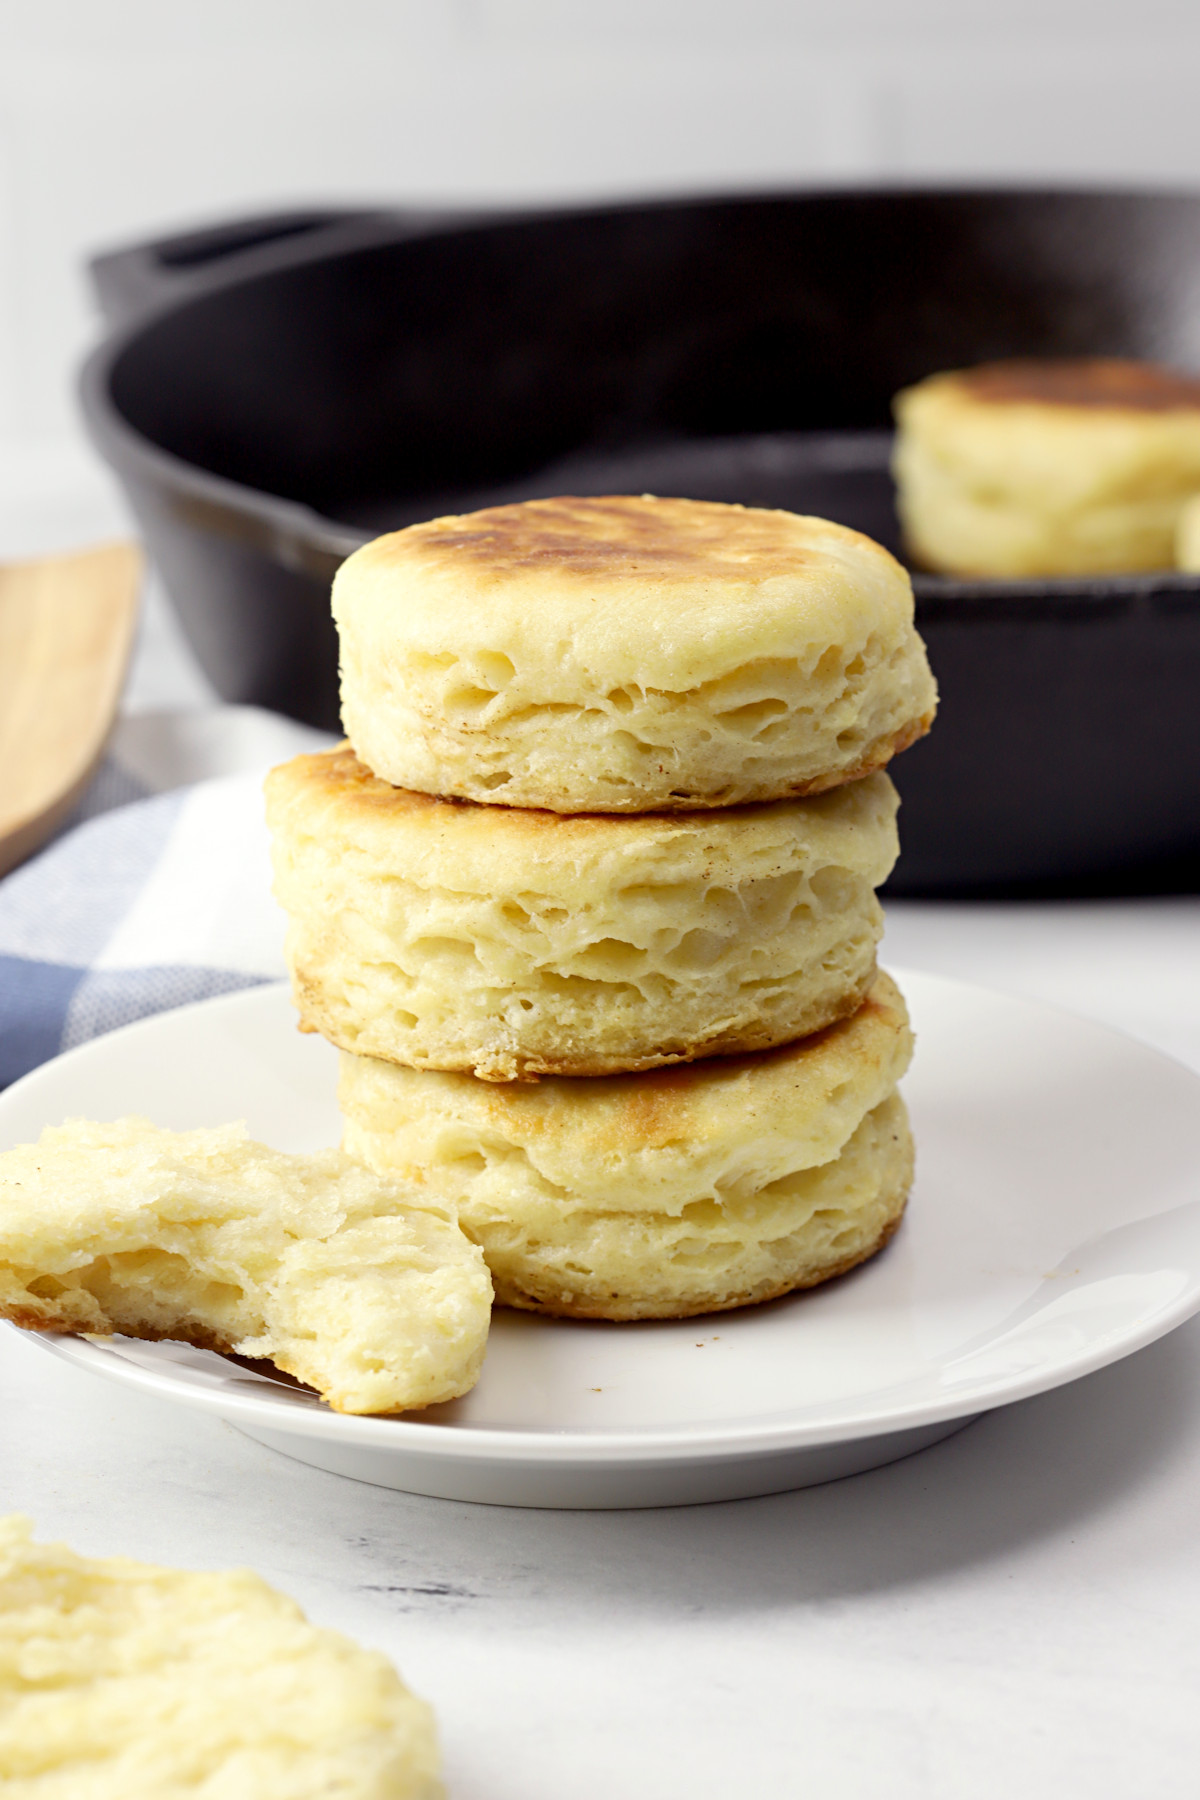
(409, 1436)
(483, 1444)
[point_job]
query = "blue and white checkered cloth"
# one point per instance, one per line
(152, 902)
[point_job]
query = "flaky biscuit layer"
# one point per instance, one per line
(513, 943)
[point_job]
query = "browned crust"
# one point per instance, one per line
(339, 772)
(619, 536)
(877, 757)
(199, 1336)
(757, 1036)
(342, 773)
(29, 1320)
(618, 1312)
(1111, 384)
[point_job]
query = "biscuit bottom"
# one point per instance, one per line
(580, 1264)
(660, 1195)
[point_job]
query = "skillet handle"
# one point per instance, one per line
(142, 277)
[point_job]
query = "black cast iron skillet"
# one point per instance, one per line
(275, 392)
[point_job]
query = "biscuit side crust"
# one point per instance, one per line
(514, 944)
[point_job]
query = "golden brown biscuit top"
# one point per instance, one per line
(339, 772)
(1112, 383)
(337, 777)
(620, 535)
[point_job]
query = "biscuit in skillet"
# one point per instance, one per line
(1046, 468)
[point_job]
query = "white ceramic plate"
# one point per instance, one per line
(1054, 1227)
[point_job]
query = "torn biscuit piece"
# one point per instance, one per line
(122, 1681)
(362, 1287)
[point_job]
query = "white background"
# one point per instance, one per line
(124, 118)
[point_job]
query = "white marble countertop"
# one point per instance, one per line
(1014, 1611)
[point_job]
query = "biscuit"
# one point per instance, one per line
(122, 1681)
(1054, 468)
(1187, 536)
(362, 1288)
(445, 935)
(664, 1194)
(627, 655)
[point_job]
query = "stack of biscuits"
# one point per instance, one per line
(588, 898)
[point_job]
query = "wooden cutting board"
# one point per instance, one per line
(66, 627)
